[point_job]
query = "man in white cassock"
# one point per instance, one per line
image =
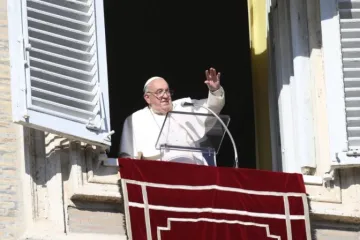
(142, 128)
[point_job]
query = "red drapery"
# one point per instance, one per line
(170, 201)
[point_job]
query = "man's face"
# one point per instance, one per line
(158, 96)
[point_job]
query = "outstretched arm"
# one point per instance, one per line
(215, 100)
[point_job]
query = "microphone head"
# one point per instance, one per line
(186, 104)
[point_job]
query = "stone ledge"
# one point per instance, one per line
(46, 230)
(73, 236)
(335, 218)
(97, 192)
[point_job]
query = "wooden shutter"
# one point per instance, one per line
(64, 86)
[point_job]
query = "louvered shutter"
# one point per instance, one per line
(349, 12)
(63, 88)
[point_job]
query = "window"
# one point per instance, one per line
(141, 45)
(59, 69)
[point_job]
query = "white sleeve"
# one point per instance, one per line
(127, 142)
(215, 101)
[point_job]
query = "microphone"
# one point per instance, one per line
(187, 104)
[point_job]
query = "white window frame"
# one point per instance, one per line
(340, 157)
(45, 122)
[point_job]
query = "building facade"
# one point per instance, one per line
(56, 180)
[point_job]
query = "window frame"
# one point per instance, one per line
(290, 81)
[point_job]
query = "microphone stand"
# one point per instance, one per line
(184, 104)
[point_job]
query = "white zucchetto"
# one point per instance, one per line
(149, 81)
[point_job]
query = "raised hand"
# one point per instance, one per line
(212, 79)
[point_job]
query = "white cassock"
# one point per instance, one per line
(141, 130)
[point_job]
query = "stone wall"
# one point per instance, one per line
(10, 198)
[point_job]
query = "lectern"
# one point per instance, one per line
(190, 137)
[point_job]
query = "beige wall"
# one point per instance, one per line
(10, 187)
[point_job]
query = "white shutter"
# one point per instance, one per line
(349, 12)
(60, 85)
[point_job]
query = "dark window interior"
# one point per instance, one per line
(179, 40)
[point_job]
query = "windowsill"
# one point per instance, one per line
(311, 180)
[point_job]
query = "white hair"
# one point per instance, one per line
(149, 81)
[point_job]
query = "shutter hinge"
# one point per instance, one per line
(95, 123)
(353, 153)
(108, 136)
(27, 47)
(348, 159)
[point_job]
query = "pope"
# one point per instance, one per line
(141, 129)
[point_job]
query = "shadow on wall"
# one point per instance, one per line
(295, 34)
(122, 207)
